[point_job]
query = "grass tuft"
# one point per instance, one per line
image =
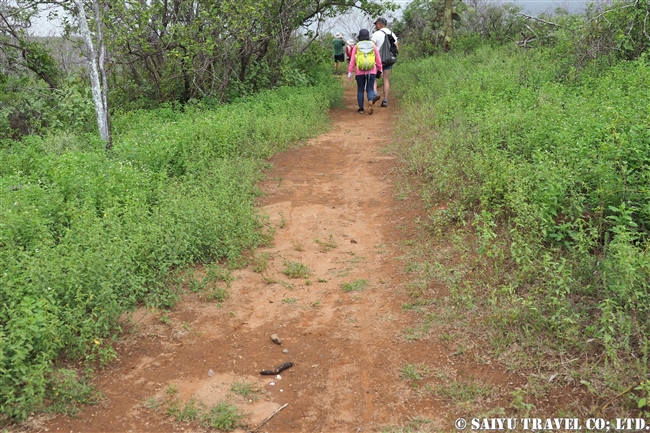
(354, 286)
(296, 270)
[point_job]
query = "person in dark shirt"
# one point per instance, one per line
(339, 54)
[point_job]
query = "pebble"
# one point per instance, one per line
(285, 351)
(276, 339)
(210, 372)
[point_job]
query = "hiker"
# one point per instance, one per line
(339, 55)
(366, 60)
(348, 50)
(379, 38)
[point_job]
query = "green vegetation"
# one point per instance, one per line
(415, 425)
(289, 300)
(542, 167)
(218, 294)
(414, 372)
(327, 245)
(245, 389)
(354, 286)
(223, 416)
(296, 270)
(261, 262)
(464, 393)
(86, 236)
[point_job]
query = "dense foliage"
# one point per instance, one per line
(616, 30)
(551, 166)
(85, 236)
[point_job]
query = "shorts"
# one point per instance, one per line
(339, 58)
(387, 67)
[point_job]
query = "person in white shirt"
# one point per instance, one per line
(379, 37)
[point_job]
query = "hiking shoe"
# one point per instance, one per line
(360, 111)
(370, 107)
(384, 103)
(376, 98)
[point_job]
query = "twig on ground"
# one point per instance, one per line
(619, 395)
(268, 419)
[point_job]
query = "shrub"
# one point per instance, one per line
(85, 236)
(551, 171)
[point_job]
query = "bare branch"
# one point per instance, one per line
(536, 19)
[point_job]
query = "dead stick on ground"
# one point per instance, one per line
(621, 394)
(267, 420)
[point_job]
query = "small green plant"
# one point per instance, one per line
(215, 272)
(218, 294)
(341, 272)
(354, 286)
(152, 403)
(269, 281)
(240, 262)
(286, 285)
(188, 413)
(223, 417)
(68, 393)
(165, 319)
(261, 262)
(328, 245)
(416, 425)
(196, 285)
(245, 389)
(322, 280)
(414, 372)
(296, 270)
(298, 246)
(171, 389)
(283, 222)
(643, 400)
(518, 402)
(461, 393)
(290, 300)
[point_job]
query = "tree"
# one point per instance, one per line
(22, 51)
(431, 23)
(184, 49)
(95, 63)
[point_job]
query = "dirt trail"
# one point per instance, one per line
(347, 347)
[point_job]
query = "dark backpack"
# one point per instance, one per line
(388, 51)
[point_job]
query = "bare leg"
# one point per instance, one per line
(386, 76)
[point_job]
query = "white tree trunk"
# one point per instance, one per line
(102, 70)
(101, 108)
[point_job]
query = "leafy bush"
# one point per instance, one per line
(551, 169)
(27, 107)
(85, 236)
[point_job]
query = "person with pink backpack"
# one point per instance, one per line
(366, 60)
